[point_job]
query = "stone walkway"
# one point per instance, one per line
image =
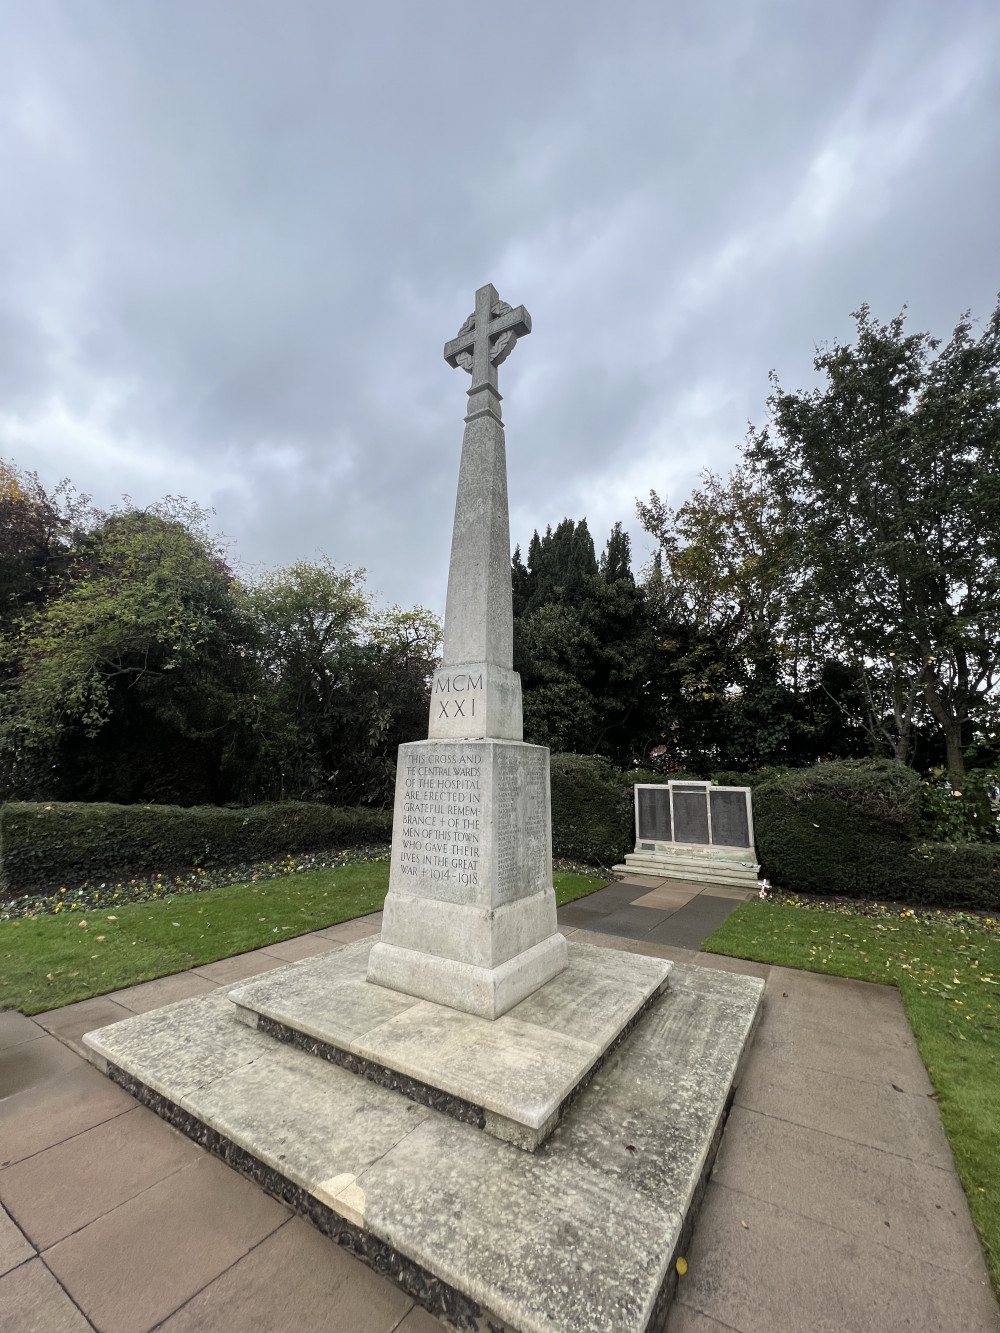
(834, 1204)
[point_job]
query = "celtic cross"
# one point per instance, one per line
(484, 341)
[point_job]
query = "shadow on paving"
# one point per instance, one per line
(684, 916)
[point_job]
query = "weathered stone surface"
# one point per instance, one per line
(476, 699)
(579, 1237)
(470, 918)
(479, 620)
(512, 1076)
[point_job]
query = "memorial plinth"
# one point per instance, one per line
(514, 1077)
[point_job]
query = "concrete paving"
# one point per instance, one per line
(833, 1205)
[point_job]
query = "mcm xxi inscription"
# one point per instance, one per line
(457, 695)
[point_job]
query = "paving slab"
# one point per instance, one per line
(854, 1110)
(28, 1063)
(227, 971)
(70, 1022)
(297, 1280)
(507, 1232)
(512, 1076)
(348, 931)
(14, 1246)
(858, 1053)
(632, 922)
(895, 1202)
(56, 1109)
(60, 1190)
(757, 1268)
(572, 915)
(32, 1301)
(134, 1266)
(149, 995)
(668, 898)
(691, 925)
(15, 1029)
(302, 946)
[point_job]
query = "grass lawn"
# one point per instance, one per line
(949, 979)
(48, 961)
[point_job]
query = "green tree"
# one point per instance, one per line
(346, 684)
(891, 469)
(582, 644)
(722, 591)
(130, 674)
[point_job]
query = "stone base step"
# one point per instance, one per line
(710, 871)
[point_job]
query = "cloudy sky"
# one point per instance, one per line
(235, 234)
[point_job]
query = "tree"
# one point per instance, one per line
(892, 471)
(582, 644)
(722, 589)
(131, 672)
(346, 684)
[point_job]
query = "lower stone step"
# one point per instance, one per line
(582, 1235)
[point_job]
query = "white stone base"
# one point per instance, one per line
(486, 992)
(579, 1237)
(470, 916)
(735, 867)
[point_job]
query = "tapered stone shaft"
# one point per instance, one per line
(470, 916)
(476, 693)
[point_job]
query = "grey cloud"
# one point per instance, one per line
(235, 238)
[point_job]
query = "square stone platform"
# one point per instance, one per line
(580, 1236)
(513, 1076)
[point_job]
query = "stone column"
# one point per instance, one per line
(470, 917)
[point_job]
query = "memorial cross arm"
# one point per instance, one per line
(487, 337)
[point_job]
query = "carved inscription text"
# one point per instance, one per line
(441, 816)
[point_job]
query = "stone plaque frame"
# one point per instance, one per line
(644, 842)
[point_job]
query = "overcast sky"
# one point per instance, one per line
(234, 238)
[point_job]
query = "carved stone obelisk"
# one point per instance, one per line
(470, 917)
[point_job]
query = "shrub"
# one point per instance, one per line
(853, 828)
(44, 844)
(591, 809)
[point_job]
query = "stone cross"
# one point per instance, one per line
(476, 692)
(470, 917)
(486, 339)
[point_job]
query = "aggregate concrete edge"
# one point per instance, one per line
(472, 1309)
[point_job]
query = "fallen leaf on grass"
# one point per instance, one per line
(83, 925)
(112, 918)
(99, 938)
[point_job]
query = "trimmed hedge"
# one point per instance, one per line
(852, 828)
(591, 809)
(47, 844)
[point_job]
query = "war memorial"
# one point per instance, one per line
(515, 1129)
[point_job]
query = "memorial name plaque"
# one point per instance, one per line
(692, 814)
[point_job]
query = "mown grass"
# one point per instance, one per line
(949, 980)
(54, 960)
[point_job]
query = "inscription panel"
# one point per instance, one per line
(438, 831)
(522, 822)
(459, 696)
(730, 819)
